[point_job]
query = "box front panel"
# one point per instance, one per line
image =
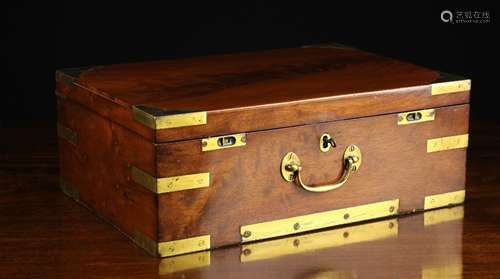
(402, 163)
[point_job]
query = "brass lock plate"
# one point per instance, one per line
(289, 159)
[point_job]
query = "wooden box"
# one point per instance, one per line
(191, 154)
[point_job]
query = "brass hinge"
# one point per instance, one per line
(160, 119)
(418, 116)
(447, 143)
(318, 220)
(227, 141)
(450, 87)
(172, 248)
(445, 199)
(170, 184)
(66, 133)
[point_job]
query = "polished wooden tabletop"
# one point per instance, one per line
(44, 234)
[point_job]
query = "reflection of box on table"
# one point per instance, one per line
(427, 245)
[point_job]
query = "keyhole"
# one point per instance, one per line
(326, 142)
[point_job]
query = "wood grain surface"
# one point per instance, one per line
(98, 167)
(258, 90)
(44, 234)
(246, 185)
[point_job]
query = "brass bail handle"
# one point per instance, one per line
(291, 169)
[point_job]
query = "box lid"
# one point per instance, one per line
(234, 93)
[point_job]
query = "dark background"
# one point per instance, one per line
(42, 37)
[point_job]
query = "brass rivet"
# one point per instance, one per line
(346, 234)
(346, 216)
(201, 243)
(352, 148)
(296, 226)
(391, 225)
(391, 209)
(247, 234)
(247, 252)
(296, 243)
(171, 249)
(204, 143)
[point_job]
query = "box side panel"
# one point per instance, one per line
(107, 108)
(95, 164)
(246, 186)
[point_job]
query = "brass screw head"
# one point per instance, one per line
(247, 252)
(391, 209)
(247, 234)
(346, 216)
(296, 226)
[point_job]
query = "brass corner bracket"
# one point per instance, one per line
(170, 184)
(443, 200)
(172, 248)
(161, 119)
(447, 143)
(450, 87)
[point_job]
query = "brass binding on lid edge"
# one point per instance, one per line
(161, 119)
(450, 87)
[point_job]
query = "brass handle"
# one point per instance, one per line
(291, 169)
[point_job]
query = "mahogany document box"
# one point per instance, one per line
(190, 154)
